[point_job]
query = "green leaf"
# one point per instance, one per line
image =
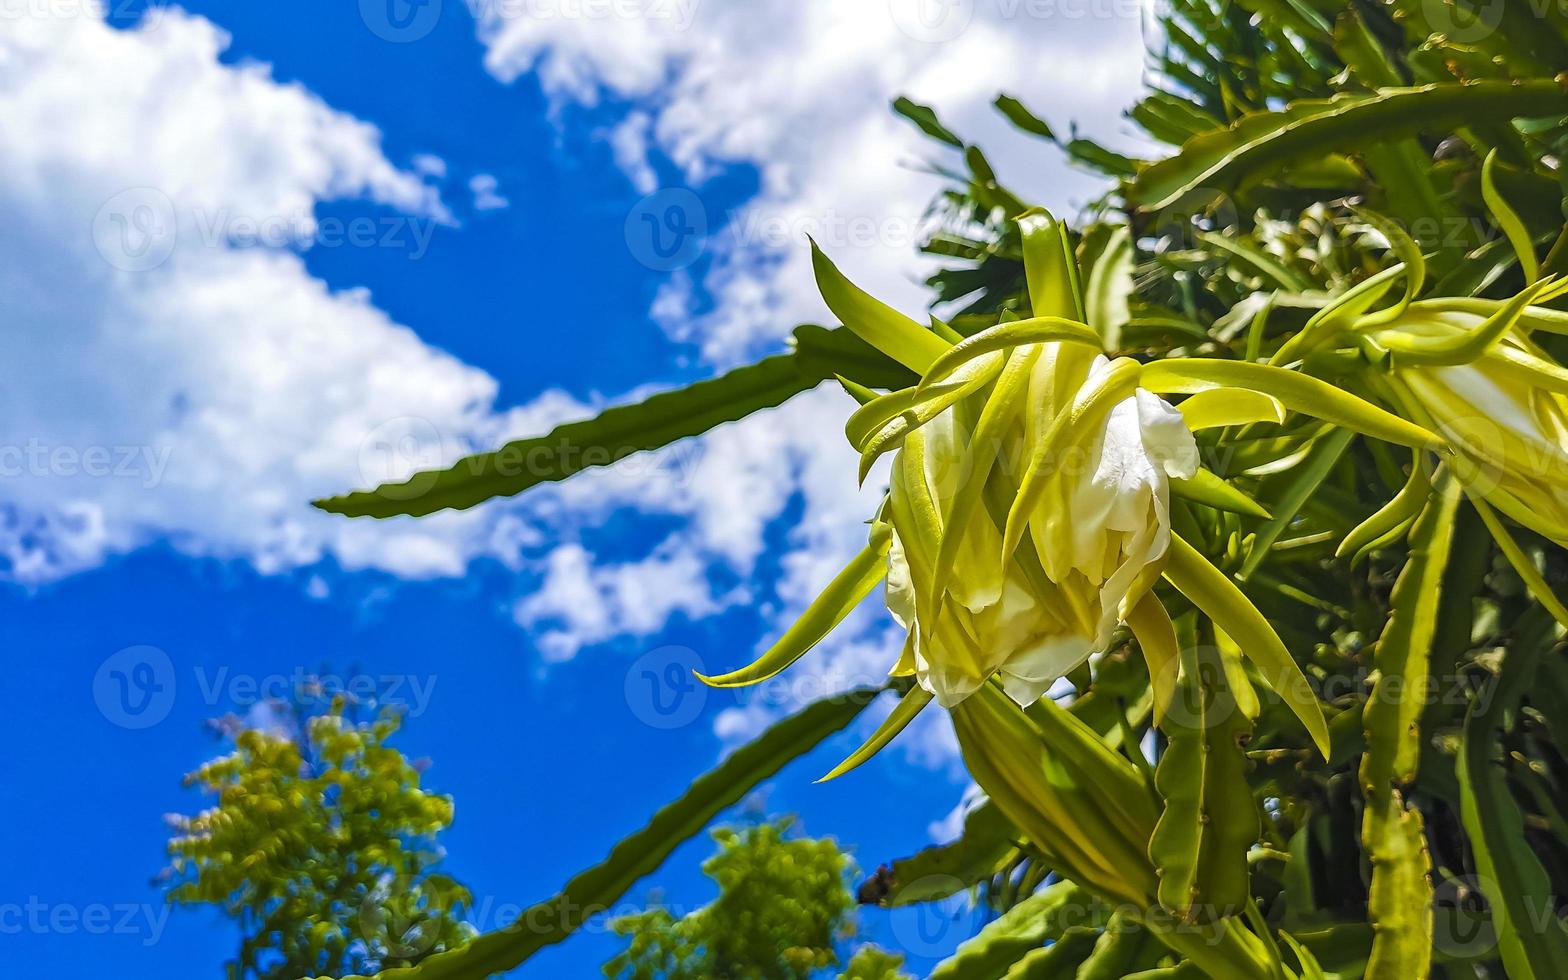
(987, 844)
(1101, 160)
(1156, 635)
(925, 117)
(1022, 117)
(636, 856)
(873, 321)
(1110, 287)
(1219, 599)
(1303, 484)
(1219, 407)
(1296, 391)
(1391, 831)
(1533, 580)
(1056, 960)
(912, 704)
(1123, 948)
(1221, 160)
(1042, 917)
(826, 611)
(1508, 220)
(1204, 487)
(1532, 940)
(1050, 268)
(622, 431)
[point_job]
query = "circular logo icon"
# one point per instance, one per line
(1461, 919)
(400, 21)
(400, 456)
(668, 229)
(932, 21)
(134, 688)
(136, 230)
(395, 922)
(662, 690)
(934, 928)
(1476, 23)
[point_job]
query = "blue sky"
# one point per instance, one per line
(168, 418)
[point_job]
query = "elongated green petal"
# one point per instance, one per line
(1464, 346)
(1004, 405)
(1508, 220)
(1220, 407)
(1110, 285)
(1015, 333)
(838, 600)
(1310, 969)
(867, 420)
(1303, 484)
(1219, 598)
(1532, 577)
(1296, 391)
(1405, 505)
(924, 410)
(1091, 405)
(1410, 257)
(1346, 308)
(908, 708)
(1204, 487)
(1156, 636)
(1050, 267)
(1530, 370)
(872, 320)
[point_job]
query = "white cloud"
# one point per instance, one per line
(166, 382)
(484, 188)
(801, 92)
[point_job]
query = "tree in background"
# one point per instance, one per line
(320, 847)
(783, 910)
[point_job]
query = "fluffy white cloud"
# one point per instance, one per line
(173, 371)
(801, 92)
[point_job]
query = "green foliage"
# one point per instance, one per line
(642, 852)
(782, 909)
(321, 849)
(1352, 243)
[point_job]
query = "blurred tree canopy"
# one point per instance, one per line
(320, 847)
(783, 910)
